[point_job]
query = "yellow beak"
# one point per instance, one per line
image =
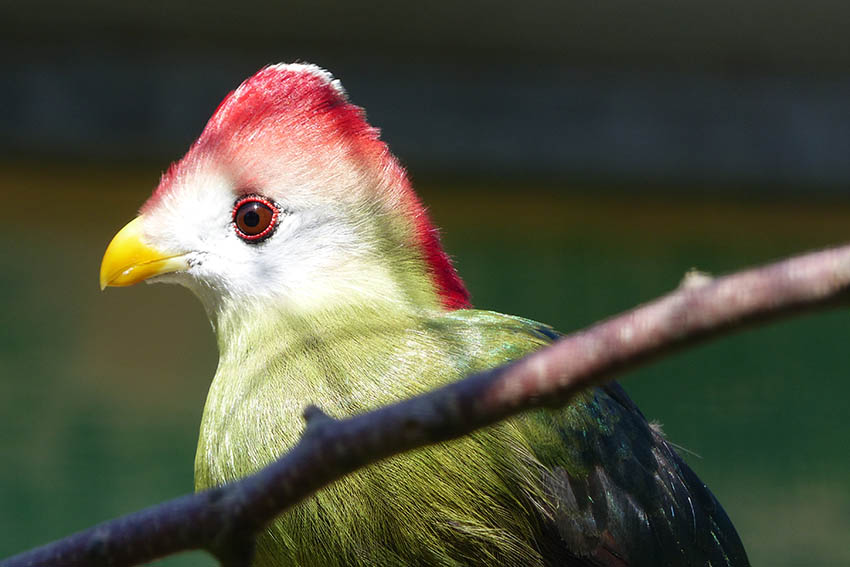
(128, 260)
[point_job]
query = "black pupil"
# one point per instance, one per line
(251, 218)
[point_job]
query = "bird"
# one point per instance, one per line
(326, 283)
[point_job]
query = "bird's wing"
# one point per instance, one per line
(622, 495)
(618, 493)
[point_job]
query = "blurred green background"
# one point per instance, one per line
(579, 159)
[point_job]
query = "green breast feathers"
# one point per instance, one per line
(587, 484)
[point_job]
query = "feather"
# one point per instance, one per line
(351, 303)
(591, 484)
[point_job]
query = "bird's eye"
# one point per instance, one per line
(254, 218)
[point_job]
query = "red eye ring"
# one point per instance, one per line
(254, 218)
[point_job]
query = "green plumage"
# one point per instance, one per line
(443, 505)
(489, 499)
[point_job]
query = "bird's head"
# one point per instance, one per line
(288, 196)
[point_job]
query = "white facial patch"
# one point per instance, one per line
(314, 258)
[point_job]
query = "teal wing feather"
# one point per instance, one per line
(618, 493)
(633, 500)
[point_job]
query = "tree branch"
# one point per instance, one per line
(225, 520)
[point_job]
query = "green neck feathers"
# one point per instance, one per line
(418, 508)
